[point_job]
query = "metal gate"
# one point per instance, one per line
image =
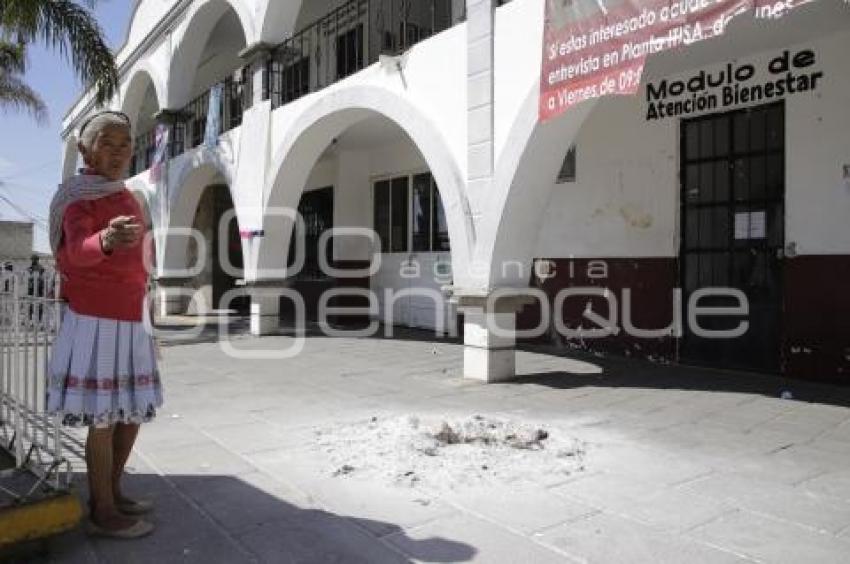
(29, 321)
(733, 230)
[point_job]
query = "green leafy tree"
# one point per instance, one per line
(71, 29)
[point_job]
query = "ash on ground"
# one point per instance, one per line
(443, 453)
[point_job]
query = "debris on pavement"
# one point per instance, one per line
(444, 453)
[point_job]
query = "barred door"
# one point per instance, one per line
(733, 232)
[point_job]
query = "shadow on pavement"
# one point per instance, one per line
(214, 518)
(620, 372)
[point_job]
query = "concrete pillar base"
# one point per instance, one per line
(171, 297)
(265, 310)
(489, 334)
(488, 365)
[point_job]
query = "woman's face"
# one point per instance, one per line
(111, 152)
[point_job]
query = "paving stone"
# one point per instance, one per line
(662, 507)
(464, 538)
(240, 503)
(202, 458)
(610, 538)
(250, 437)
(751, 414)
(317, 537)
(179, 527)
(522, 511)
(73, 546)
(349, 495)
(669, 471)
(644, 463)
(772, 467)
(823, 459)
(769, 540)
(166, 432)
(833, 485)
(784, 502)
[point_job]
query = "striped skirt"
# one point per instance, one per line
(103, 372)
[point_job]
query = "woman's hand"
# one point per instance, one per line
(123, 232)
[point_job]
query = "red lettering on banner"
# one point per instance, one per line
(590, 51)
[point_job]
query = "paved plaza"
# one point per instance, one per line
(263, 460)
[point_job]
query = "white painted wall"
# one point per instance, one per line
(518, 51)
(818, 198)
(625, 202)
(144, 18)
(221, 54)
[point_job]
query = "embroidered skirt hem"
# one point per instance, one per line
(103, 372)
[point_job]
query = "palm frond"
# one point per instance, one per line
(12, 58)
(72, 30)
(15, 93)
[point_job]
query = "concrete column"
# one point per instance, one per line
(265, 307)
(489, 333)
(257, 56)
(171, 296)
(480, 21)
(488, 356)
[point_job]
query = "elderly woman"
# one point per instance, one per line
(103, 373)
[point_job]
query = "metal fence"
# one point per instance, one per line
(347, 40)
(29, 321)
(236, 98)
(340, 43)
(144, 148)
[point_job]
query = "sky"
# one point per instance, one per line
(30, 153)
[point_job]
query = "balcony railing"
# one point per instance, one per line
(349, 39)
(341, 43)
(144, 147)
(189, 132)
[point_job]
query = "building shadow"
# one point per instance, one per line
(610, 370)
(220, 518)
(623, 372)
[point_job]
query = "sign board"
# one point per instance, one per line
(595, 48)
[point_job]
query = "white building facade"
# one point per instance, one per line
(406, 135)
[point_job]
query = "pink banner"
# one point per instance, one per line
(595, 48)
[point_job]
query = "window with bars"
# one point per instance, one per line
(316, 209)
(409, 215)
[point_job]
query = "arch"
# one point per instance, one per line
(133, 95)
(325, 120)
(279, 21)
(527, 166)
(522, 184)
(202, 18)
(70, 156)
(189, 185)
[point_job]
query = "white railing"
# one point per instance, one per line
(29, 321)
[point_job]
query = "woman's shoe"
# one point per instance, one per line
(137, 530)
(134, 507)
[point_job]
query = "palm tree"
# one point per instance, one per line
(60, 24)
(13, 91)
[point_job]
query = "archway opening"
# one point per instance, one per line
(202, 256)
(221, 261)
(391, 250)
(141, 105)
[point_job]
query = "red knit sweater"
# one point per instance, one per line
(110, 286)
